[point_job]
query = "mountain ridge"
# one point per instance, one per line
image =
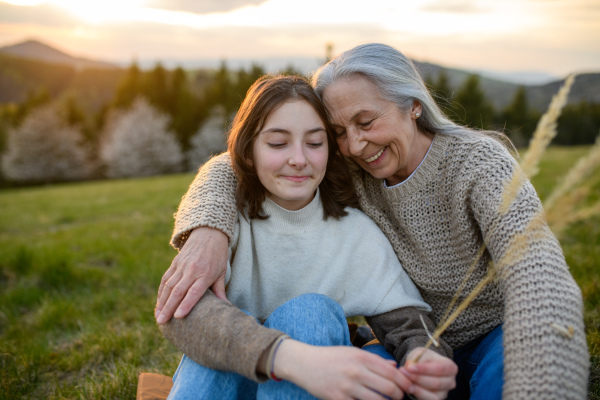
(33, 49)
(499, 92)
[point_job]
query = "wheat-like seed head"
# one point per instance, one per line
(546, 129)
(519, 244)
(584, 167)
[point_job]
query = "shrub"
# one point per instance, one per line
(209, 140)
(43, 148)
(138, 143)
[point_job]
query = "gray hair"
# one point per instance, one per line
(397, 80)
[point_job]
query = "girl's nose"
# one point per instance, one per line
(298, 158)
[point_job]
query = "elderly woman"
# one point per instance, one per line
(435, 189)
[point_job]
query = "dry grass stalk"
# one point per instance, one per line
(464, 281)
(489, 277)
(560, 224)
(543, 135)
(575, 176)
(546, 129)
(562, 202)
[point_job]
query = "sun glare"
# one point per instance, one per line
(23, 2)
(95, 11)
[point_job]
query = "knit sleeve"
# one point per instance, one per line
(209, 201)
(401, 331)
(218, 335)
(545, 351)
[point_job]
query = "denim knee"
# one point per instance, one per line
(311, 318)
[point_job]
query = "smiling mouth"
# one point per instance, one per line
(296, 178)
(375, 157)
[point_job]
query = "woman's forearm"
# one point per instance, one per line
(540, 295)
(218, 335)
(209, 201)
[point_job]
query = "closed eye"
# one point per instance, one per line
(366, 125)
(276, 145)
(316, 144)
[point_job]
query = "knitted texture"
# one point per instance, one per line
(437, 221)
(292, 253)
(217, 213)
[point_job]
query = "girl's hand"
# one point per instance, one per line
(339, 372)
(432, 377)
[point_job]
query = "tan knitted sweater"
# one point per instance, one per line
(437, 221)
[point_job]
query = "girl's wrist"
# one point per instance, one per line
(287, 358)
(270, 367)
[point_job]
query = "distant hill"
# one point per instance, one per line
(92, 87)
(27, 66)
(501, 93)
(35, 50)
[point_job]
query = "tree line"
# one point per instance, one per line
(579, 124)
(163, 121)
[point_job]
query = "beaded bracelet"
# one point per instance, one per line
(271, 359)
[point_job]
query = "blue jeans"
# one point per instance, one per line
(480, 367)
(311, 318)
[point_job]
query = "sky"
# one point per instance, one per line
(555, 37)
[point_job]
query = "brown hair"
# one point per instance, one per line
(264, 97)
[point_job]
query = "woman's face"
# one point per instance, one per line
(373, 131)
(290, 154)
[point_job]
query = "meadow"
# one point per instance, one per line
(80, 265)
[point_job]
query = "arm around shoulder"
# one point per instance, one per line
(209, 201)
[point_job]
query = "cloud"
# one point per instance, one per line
(454, 6)
(203, 6)
(45, 14)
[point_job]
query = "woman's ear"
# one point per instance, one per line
(417, 108)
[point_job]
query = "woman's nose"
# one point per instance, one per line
(356, 144)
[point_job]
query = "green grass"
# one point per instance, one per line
(80, 265)
(79, 269)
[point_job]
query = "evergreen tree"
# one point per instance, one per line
(185, 108)
(222, 90)
(578, 124)
(34, 100)
(155, 88)
(244, 80)
(138, 143)
(130, 87)
(518, 119)
(442, 92)
(45, 149)
(477, 111)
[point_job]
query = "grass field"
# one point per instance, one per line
(80, 265)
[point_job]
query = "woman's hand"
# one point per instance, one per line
(432, 377)
(201, 263)
(339, 372)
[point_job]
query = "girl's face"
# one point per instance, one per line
(290, 154)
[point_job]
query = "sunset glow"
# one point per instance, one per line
(479, 34)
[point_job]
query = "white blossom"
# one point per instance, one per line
(138, 143)
(210, 139)
(44, 148)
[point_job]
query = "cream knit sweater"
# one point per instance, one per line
(292, 253)
(437, 221)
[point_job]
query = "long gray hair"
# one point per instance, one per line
(398, 81)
